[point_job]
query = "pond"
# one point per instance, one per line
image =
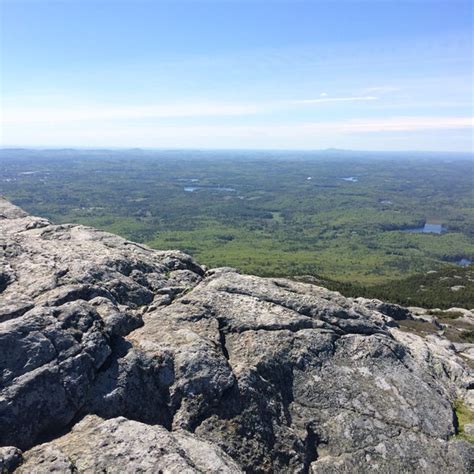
(191, 189)
(426, 229)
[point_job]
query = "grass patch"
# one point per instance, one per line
(467, 336)
(446, 314)
(421, 328)
(464, 416)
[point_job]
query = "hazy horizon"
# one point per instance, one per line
(330, 150)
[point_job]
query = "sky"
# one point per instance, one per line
(268, 74)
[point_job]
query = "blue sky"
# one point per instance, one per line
(380, 74)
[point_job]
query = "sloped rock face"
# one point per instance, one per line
(117, 357)
(95, 445)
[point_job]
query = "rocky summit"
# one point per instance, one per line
(118, 358)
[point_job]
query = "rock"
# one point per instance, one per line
(48, 359)
(395, 311)
(10, 458)
(95, 445)
(10, 211)
(469, 429)
(176, 368)
(393, 457)
(72, 292)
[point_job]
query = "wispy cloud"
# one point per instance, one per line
(395, 124)
(36, 114)
(324, 98)
(98, 112)
(381, 90)
(388, 133)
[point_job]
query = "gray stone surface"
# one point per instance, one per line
(179, 369)
(10, 458)
(121, 445)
